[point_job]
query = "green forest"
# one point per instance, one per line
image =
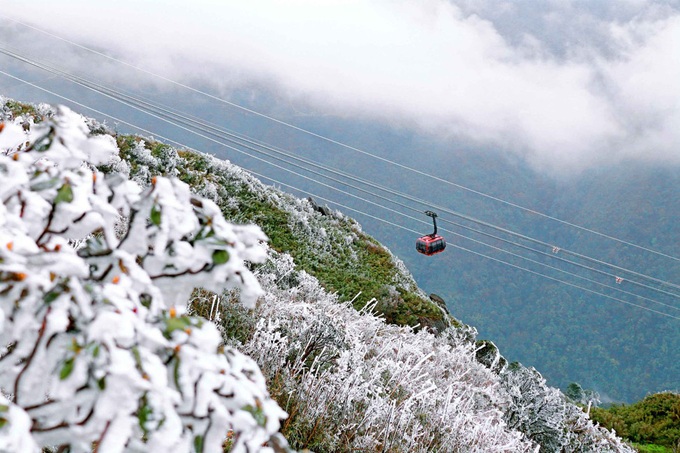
(652, 424)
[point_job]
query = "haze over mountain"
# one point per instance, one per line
(565, 85)
(567, 108)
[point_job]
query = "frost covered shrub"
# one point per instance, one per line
(352, 382)
(97, 350)
(543, 414)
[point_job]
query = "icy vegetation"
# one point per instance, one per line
(328, 245)
(100, 248)
(349, 381)
(352, 382)
(96, 347)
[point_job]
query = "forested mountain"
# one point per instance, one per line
(622, 351)
(411, 379)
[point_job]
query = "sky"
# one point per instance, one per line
(566, 84)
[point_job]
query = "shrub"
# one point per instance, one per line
(94, 274)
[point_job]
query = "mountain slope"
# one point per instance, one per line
(330, 246)
(351, 379)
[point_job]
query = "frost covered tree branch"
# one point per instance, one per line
(97, 347)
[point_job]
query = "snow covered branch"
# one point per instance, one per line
(97, 348)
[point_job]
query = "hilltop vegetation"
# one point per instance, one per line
(333, 248)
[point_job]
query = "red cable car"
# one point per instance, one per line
(432, 243)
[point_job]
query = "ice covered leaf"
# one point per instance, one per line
(11, 136)
(155, 215)
(220, 256)
(64, 194)
(15, 426)
(43, 142)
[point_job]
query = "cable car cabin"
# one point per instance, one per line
(430, 245)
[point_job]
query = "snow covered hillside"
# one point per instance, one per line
(349, 347)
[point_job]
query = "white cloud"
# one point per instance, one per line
(608, 92)
(645, 85)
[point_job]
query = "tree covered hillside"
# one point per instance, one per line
(655, 420)
(384, 370)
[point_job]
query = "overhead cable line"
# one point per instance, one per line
(338, 143)
(170, 116)
(472, 239)
(353, 209)
(472, 251)
(476, 241)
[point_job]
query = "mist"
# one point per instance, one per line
(566, 86)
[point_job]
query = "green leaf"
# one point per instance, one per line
(52, 296)
(172, 324)
(257, 413)
(143, 414)
(3, 422)
(199, 235)
(205, 233)
(175, 373)
(43, 143)
(198, 443)
(67, 369)
(101, 383)
(65, 194)
(145, 299)
(138, 358)
(220, 256)
(4, 407)
(156, 215)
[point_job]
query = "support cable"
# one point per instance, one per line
(473, 251)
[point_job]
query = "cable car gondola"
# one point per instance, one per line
(431, 244)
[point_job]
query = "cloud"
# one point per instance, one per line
(567, 86)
